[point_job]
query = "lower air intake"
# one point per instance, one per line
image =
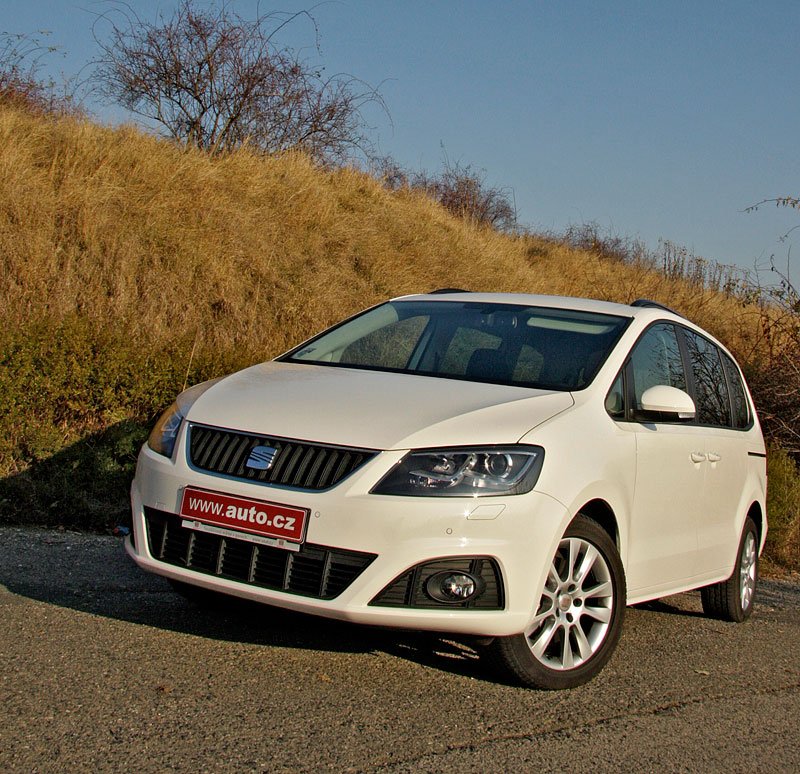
(409, 589)
(313, 571)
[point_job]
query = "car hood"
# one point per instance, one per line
(372, 409)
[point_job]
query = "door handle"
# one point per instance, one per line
(698, 457)
(714, 457)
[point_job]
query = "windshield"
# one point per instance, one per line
(528, 346)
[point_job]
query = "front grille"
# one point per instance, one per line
(297, 464)
(408, 590)
(313, 571)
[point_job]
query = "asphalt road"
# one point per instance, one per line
(103, 668)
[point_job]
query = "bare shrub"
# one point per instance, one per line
(21, 81)
(775, 376)
(459, 188)
(593, 239)
(673, 261)
(217, 81)
(776, 390)
(776, 381)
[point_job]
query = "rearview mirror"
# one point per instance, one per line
(666, 402)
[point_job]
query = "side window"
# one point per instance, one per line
(741, 411)
(656, 359)
(711, 391)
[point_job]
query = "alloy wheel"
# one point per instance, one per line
(747, 571)
(575, 609)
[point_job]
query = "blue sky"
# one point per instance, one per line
(653, 119)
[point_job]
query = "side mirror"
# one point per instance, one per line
(669, 403)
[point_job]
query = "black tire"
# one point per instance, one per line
(732, 600)
(565, 624)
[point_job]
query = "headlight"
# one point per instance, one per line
(465, 472)
(165, 433)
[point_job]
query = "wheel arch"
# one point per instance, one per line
(600, 511)
(756, 513)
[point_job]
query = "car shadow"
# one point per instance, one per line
(91, 574)
(85, 486)
(683, 605)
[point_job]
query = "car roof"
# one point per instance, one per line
(650, 310)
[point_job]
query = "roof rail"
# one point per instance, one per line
(646, 302)
(447, 290)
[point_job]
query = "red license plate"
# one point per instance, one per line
(245, 515)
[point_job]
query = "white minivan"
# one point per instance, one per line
(514, 467)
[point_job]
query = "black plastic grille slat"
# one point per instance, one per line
(305, 460)
(203, 552)
(313, 571)
(283, 456)
(202, 444)
(217, 449)
(174, 546)
(313, 469)
(156, 535)
(241, 449)
(344, 462)
(235, 560)
(225, 452)
(396, 594)
(296, 463)
(293, 454)
(491, 579)
(270, 567)
(307, 574)
(325, 473)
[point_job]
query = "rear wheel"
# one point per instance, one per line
(579, 617)
(732, 600)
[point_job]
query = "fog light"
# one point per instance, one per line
(458, 586)
(453, 587)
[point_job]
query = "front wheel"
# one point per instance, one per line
(732, 600)
(579, 617)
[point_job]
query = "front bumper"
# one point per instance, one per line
(520, 533)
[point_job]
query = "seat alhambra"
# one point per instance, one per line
(514, 467)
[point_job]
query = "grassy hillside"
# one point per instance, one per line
(130, 267)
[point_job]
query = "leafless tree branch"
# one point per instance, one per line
(214, 80)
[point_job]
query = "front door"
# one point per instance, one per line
(670, 474)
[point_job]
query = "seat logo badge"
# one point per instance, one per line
(261, 458)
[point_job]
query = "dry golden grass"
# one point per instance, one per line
(251, 253)
(129, 265)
